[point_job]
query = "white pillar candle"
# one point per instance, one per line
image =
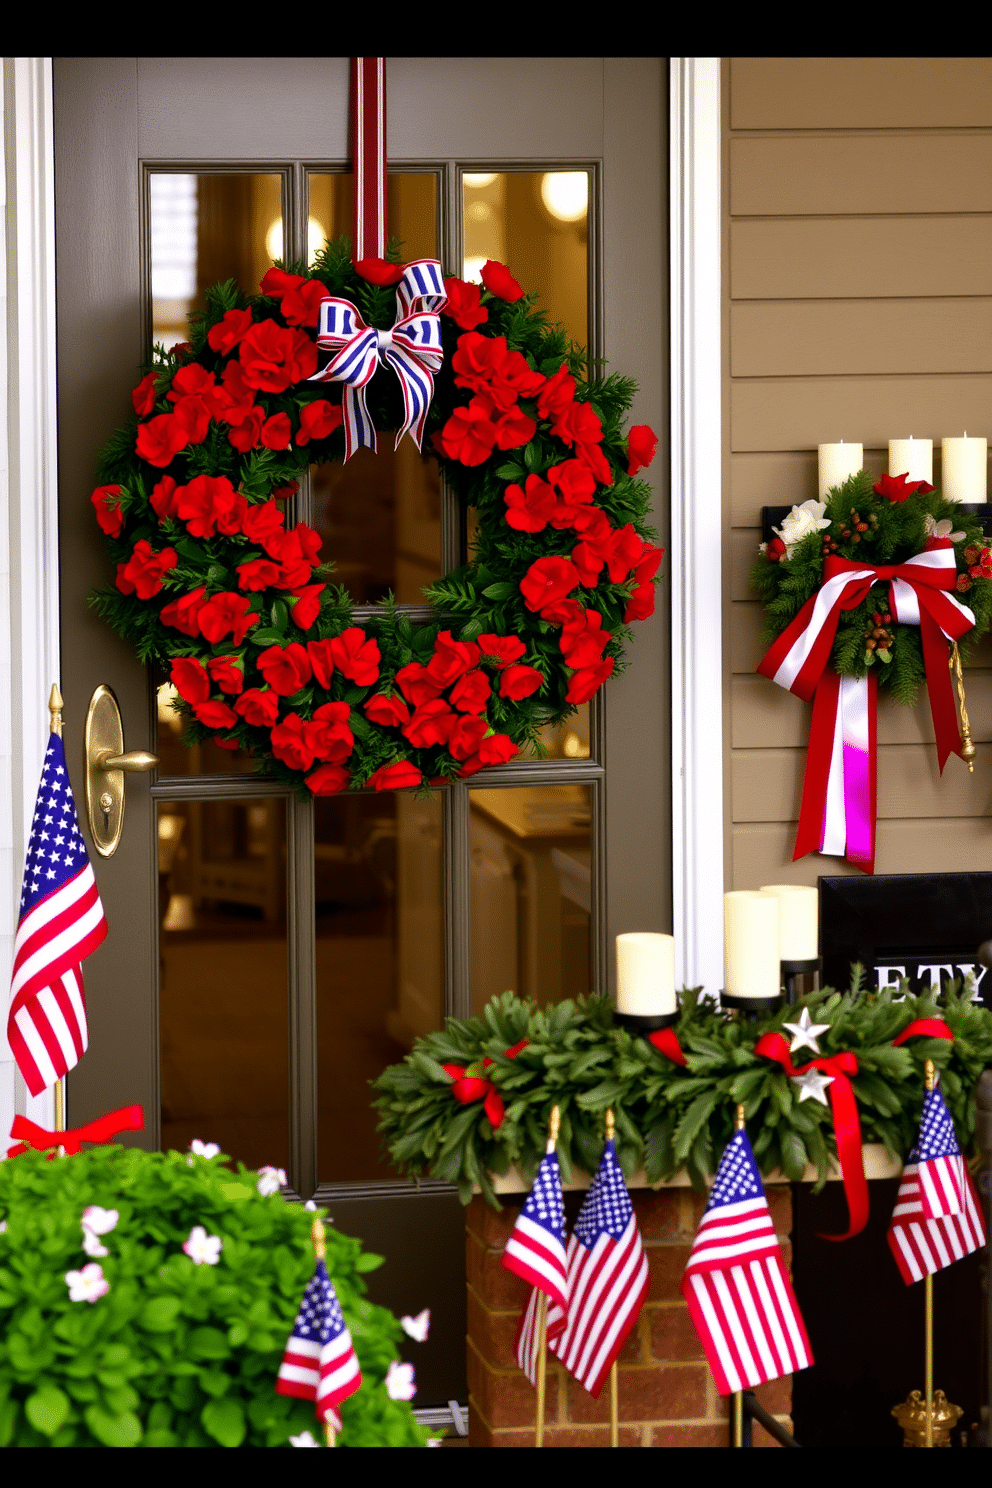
(646, 974)
(837, 462)
(912, 457)
(750, 944)
(798, 920)
(964, 465)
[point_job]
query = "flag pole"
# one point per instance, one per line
(614, 1383)
(320, 1254)
(542, 1307)
(931, 1080)
(739, 1394)
(55, 703)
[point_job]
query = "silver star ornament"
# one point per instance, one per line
(805, 1033)
(812, 1086)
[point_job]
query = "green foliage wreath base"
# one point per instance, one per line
(669, 1118)
(175, 1354)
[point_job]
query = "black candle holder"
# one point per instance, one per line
(752, 1005)
(644, 1023)
(793, 969)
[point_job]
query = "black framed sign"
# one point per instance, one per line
(926, 927)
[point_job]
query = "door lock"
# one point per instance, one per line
(106, 765)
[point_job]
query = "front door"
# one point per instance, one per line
(268, 957)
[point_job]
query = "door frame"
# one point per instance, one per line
(29, 502)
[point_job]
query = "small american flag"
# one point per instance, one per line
(319, 1363)
(938, 1218)
(535, 1251)
(61, 922)
(607, 1279)
(739, 1295)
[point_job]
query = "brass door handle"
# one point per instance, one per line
(106, 764)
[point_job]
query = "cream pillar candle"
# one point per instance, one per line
(646, 974)
(837, 462)
(798, 919)
(750, 944)
(964, 465)
(912, 457)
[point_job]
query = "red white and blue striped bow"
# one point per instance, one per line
(412, 348)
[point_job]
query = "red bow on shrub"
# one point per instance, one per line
(472, 1087)
(666, 1042)
(103, 1129)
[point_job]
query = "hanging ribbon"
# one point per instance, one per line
(103, 1129)
(924, 1028)
(666, 1042)
(847, 1125)
(368, 150)
(839, 800)
(468, 1087)
(412, 348)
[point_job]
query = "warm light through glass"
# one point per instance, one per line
(566, 194)
(316, 237)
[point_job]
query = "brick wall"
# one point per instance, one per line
(666, 1392)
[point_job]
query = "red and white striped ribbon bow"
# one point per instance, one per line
(412, 348)
(368, 148)
(839, 792)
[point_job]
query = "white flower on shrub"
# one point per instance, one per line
(87, 1285)
(91, 1244)
(801, 521)
(100, 1221)
(203, 1249)
(399, 1381)
(3, 1226)
(305, 1439)
(270, 1180)
(203, 1149)
(417, 1327)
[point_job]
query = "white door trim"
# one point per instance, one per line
(29, 566)
(697, 521)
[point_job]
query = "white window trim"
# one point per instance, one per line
(697, 521)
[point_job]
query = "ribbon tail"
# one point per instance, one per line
(838, 810)
(359, 432)
(809, 835)
(418, 390)
(847, 1130)
(939, 689)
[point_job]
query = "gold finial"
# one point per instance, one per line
(739, 1123)
(319, 1246)
(553, 1125)
(930, 1074)
(968, 750)
(55, 708)
(609, 1126)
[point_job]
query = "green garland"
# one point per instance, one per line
(866, 524)
(668, 1118)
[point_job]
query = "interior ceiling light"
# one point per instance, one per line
(316, 237)
(478, 180)
(566, 194)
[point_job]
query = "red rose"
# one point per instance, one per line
(900, 487)
(642, 443)
(561, 611)
(356, 657)
(399, 776)
(225, 335)
(588, 681)
(290, 745)
(301, 304)
(431, 724)
(307, 606)
(548, 580)
(469, 434)
(247, 432)
(285, 492)
(573, 481)
(390, 711)
(322, 661)
(183, 614)
(260, 523)
(495, 750)
(160, 440)
(193, 381)
(328, 780)
(107, 505)
(285, 668)
(579, 423)
(328, 734)
(258, 706)
(142, 575)
(500, 282)
(210, 504)
(466, 735)
(519, 682)
(622, 552)
(318, 421)
(223, 743)
(277, 432)
(640, 604)
(583, 640)
(529, 507)
(215, 714)
(592, 456)
(163, 498)
(378, 271)
(143, 396)
(501, 649)
(226, 614)
(464, 306)
(471, 693)
(650, 561)
(190, 679)
(273, 358)
(588, 562)
(556, 396)
(417, 684)
(228, 672)
(298, 551)
(192, 416)
(259, 573)
(276, 282)
(514, 429)
(476, 359)
(515, 378)
(451, 658)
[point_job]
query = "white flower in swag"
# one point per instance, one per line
(400, 1381)
(942, 529)
(305, 1439)
(417, 1327)
(203, 1249)
(270, 1181)
(801, 521)
(87, 1285)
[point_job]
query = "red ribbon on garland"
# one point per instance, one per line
(103, 1129)
(368, 148)
(847, 1125)
(468, 1088)
(666, 1041)
(924, 1028)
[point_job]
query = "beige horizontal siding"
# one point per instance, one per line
(810, 338)
(747, 622)
(763, 854)
(863, 92)
(778, 478)
(767, 717)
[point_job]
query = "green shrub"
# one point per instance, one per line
(175, 1353)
